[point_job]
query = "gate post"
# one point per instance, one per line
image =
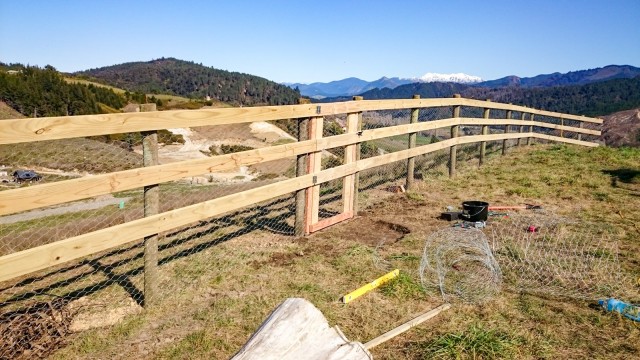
(301, 169)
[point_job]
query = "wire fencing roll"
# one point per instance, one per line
(534, 252)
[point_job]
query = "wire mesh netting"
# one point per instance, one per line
(459, 264)
(115, 278)
(536, 252)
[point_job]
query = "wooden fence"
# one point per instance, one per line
(306, 184)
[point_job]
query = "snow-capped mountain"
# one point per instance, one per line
(354, 86)
(455, 78)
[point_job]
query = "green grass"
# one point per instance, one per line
(213, 300)
(476, 342)
(403, 287)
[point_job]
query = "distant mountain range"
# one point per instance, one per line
(354, 86)
(581, 77)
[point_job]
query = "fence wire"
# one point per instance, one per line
(115, 278)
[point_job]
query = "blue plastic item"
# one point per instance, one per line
(627, 310)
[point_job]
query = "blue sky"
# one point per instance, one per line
(307, 41)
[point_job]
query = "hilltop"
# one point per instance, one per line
(188, 79)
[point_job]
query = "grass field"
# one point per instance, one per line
(213, 299)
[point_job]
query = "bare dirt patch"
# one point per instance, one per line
(371, 231)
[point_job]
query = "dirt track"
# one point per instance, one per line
(65, 209)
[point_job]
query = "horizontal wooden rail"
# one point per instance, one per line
(41, 257)
(42, 195)
(62, 127)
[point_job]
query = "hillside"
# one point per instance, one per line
(593, 99)
(7, 112)
(188, 79)
(581, 77)
(622, 128)
(35, 91)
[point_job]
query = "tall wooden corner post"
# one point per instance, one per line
(358, 150)
(485, 130)
(411, 162)
(151, 207)
(314, 165)
(453, 151)
(349, 187)
(301, 169)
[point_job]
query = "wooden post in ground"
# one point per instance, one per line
(301, 169)
(506, 130)
(485, 130)
(314, 165)
(521, 130)
(356, 177)
(530, 139)
(411, 162)
(561, 124)
(348, 182)
(151, 207)
(453, 151)
(580, 125)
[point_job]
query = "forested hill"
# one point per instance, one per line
(33, 91)
(185, 78)
(593, 99)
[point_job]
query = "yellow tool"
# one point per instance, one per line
(370, 286)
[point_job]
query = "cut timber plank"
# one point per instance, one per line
(330, 221)
(41, 195)
(406, 326)
(49, 128)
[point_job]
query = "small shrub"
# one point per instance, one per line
(230, 149)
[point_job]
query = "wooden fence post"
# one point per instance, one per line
(314, 165)
(485, 130)
(580, 125)
(348, 182)
(530, 139)
(521, 130)
(411, 162)
(151, 207)
(356, 178)
(453, 151)
(506, 130)
(301, 169)
(561, 124)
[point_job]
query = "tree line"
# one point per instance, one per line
(37, 92)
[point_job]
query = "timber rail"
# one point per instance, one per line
(306, 183)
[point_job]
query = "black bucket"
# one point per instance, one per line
(475, 211)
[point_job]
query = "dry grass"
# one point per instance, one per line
(214, 298)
